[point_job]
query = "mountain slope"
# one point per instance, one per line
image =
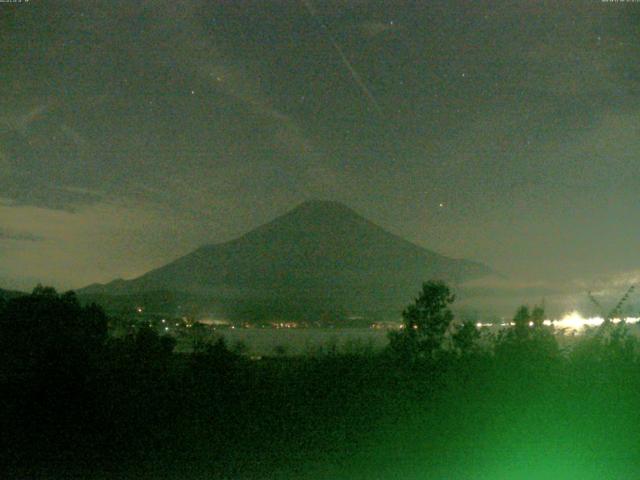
(319, 253)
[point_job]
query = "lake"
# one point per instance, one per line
(298, 341)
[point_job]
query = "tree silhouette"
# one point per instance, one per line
(47, 333)
(51, 350)
(465, 337)
(425, 322)
(528, 339)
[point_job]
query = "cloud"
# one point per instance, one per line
(105, 143)
(18, 236)
(193, 50)
(504, 295)
(24, 189)
(20, 123)
(74, 135)
(39, 153)
(372, 29)
(95, 243)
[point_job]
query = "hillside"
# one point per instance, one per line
(320, 257)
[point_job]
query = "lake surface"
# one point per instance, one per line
(300, 341)
(297, 341)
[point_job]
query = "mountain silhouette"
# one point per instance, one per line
(319, 257)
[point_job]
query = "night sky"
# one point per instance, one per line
(132, 132)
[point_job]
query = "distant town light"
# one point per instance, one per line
(575, 321)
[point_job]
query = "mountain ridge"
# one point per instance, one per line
(321, 252)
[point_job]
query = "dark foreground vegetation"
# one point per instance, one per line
(444, 401)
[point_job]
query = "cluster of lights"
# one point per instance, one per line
(284, 325)
(572, 322)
